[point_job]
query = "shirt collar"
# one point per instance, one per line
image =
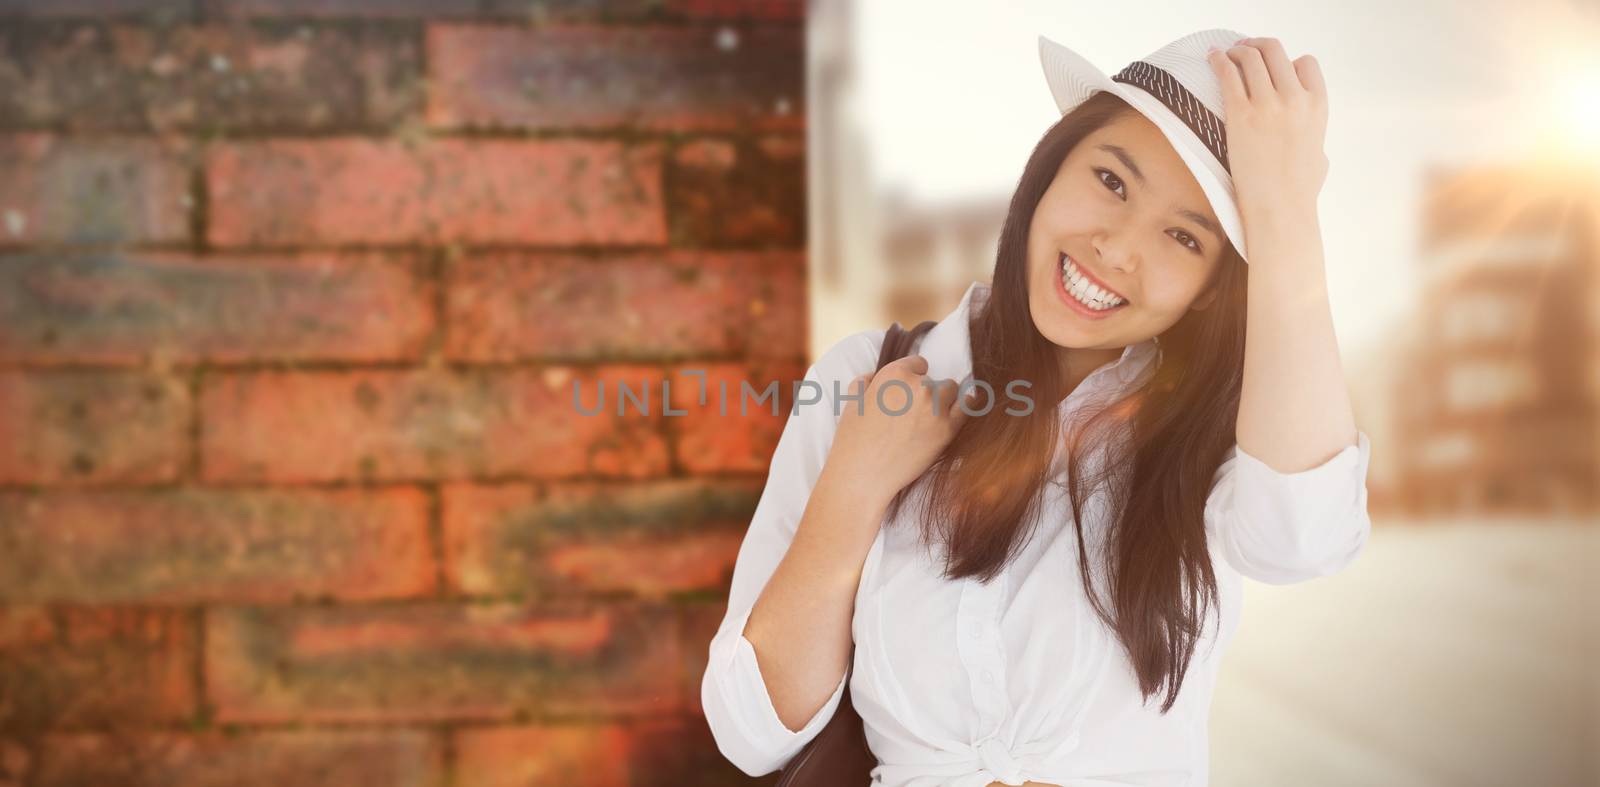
(948, 346)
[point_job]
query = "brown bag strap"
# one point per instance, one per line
(898, 342)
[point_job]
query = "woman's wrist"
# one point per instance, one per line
(1291, 221)
(858, 484)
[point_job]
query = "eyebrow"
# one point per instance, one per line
(1200, 219)
(1127, 161)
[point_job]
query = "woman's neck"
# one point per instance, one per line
(1077, 364)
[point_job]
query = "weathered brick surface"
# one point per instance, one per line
(758, 10)
(591, 754)
(544, 12)
(582, 76)
(418, 425)
(85, 666)
(683, 752)
(94, 76)
(91, 426)
(153, 11)
(306, 307)
(338, 9)
(304, 758)
(196, 545)
(138, 308)
(101, 190)
(645, 753)
(650, 539)
(737, 427)
(543, 192)
(698, 622)
(506, 306)
(441, 661)
(738, 193)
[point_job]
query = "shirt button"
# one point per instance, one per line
(976, 632)
(988, 677)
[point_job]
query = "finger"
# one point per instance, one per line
(1279, 68)
(1257, 82)
(1310, 74)
(944, 395)
(973, 403)
(1233, 93)
(915, 363)
(958, 416)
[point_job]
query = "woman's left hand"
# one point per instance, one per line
(1277, 116)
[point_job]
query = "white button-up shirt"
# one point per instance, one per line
(964, 683)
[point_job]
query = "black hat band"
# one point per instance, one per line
(1171, 93)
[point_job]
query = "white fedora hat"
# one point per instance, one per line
(1176, 89)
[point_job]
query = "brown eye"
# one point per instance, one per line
(1189, 241)
(1113, 184)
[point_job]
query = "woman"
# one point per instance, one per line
(1040, 595)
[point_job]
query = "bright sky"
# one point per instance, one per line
(953, 100)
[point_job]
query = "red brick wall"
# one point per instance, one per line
(293, 294)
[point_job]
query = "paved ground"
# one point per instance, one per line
(1450, 653)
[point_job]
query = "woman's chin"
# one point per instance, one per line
(1068, 336)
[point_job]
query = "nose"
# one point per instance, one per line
(1116, 253)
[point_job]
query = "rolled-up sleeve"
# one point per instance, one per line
(1281, 528)
(733, 693)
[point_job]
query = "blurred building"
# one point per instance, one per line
(876, 256)
(932, 252)
(1498, 397)
(846, 276)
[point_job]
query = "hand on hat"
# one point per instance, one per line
(1276, 117)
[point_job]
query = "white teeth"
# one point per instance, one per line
(1088, 294)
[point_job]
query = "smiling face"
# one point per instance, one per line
(1124, 224)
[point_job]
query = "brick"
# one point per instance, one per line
(646, 753)
(82, 666)
(737, 193)
(155, 11)
(88, 427)
(440, 661)
(335, 9)
(678, 304)
(698, 621)
(344, 190)
(203, 545)
(682, 751)
(309, 758)
(589, 754)
(16, 761)
(753, 10)
(94, 76)
(92, 190)
(733, 431)
(428, 424)
(647, 539)
(669, 78)
(141, 308)
(547, 12)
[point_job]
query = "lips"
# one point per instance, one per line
(1071, 302)
(1061, 261)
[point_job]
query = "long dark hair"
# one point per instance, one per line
(981, 498)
